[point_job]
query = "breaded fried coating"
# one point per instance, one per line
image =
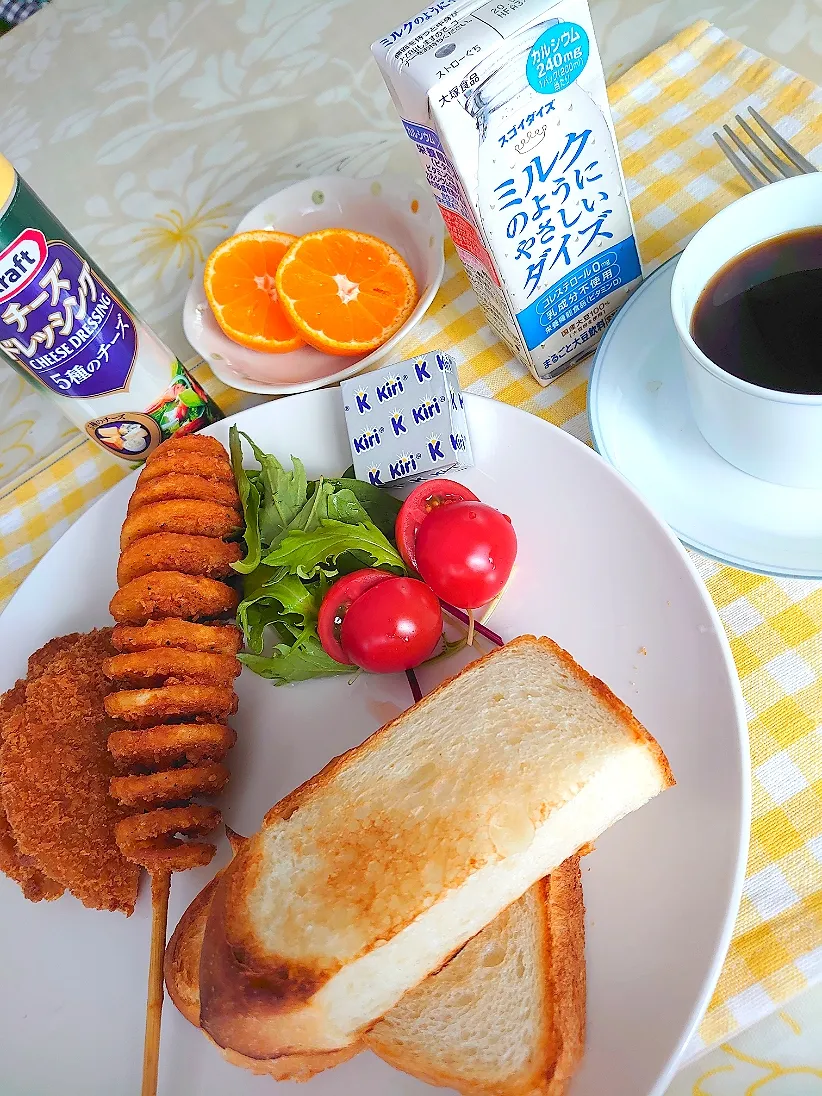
(204, 556)
(169, 785)
(172, 594)
(34, 883)
(140, 667)
(196, 517)
(224, 639)
(178, 485)
(193, 444)
(143, 707)
(55, 771)
(163, 462)
(172, 743)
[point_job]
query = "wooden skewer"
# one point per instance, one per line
(160, 887)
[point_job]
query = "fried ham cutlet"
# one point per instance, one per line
(34, 883)
(55, 770)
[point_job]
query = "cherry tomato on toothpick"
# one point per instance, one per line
(393, 626)
(424, 500)
(336, 603)
(465, 552)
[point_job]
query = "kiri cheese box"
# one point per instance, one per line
(507, 106)
(407, 422)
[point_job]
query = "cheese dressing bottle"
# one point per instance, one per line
(66, 329)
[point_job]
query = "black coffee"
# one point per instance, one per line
(760, 316)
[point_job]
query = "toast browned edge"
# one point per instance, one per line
(181, 968)
(243, 989)
(562, 917)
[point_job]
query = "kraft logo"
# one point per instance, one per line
(404, 466)
(362, 401)
(21, 261)
(457, 442)
(435, 448)
(397, 425)
(421, 369)
(426, 410)
(367, 441)
(389, 390)
(374, 476)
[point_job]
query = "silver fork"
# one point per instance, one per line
(796, 163)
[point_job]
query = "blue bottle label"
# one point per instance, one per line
(60, 322)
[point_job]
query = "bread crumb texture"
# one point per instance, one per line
(459, 782)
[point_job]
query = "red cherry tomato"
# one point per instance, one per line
(425, 498)
(465, 553)
(336, 603)
(394, 626)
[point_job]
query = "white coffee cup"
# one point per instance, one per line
(775, 436)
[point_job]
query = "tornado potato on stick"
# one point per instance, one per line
(173, 671)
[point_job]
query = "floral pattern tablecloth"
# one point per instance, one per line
(151, 126)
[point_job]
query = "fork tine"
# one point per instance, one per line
(796, 157)
(753, 182)
(786, 169)
(752, 158)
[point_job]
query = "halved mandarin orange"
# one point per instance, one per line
(345, 292)
(239, 284)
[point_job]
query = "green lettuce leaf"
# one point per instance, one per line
(250, 499)
(280, 601)
(381, 507)
(283, 493)
(301, 661)
(305, 553)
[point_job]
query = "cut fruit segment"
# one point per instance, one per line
(345, 292)
(239, 284)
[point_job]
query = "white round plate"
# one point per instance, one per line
(599, 573)
(396, 209)
(641, 422)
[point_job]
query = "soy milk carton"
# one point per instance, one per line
(506, 104)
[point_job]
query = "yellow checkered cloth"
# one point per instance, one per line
(665, 109)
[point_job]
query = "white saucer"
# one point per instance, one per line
(641, 423)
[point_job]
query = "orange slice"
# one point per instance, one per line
(345, 292)
(239, 285)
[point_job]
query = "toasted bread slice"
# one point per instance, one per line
(182, 975)
(372, 874)
(505, 1017)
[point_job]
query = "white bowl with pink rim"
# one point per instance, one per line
(397, 210)
(773, 435)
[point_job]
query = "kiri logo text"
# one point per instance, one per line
(403, 466)
(367, 440)
(392, 388)
(397, 425)
(458, 443)
(435, 449)
(375, 476)
(363, 406)
(21, 261)
(428, 409)
(421, 369)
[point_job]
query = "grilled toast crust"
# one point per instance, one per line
(249, 993)
(182, 977)
(553, 1059)
(556, 1055)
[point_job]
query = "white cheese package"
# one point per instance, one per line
(506, 104)
(407, 422)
